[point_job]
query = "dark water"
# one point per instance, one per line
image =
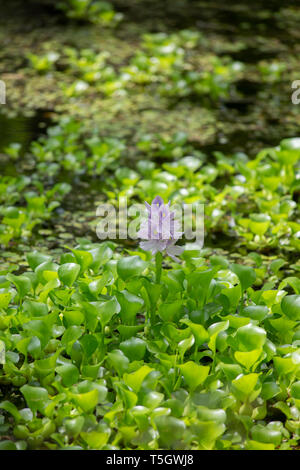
(21, 129)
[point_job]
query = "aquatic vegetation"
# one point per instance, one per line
(99, 12)
(43, 63)
(21, 211)
(112, 349)
(272, 72)
(252, 200)
(155, 342)
(256, 203)
(90, 66)
(97, 348)
(165, 62)
(67, 147)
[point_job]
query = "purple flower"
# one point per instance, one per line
(160, 229)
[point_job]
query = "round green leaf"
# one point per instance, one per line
(130, 266)
(250, 337)
(295, 390)
(68, 273)
(290, 305)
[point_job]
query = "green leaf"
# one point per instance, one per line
(69, 374)
(290, 305)
(199, 332)
(36, 397)
(89, 344)
(45, 367)
(22, 283)
(107, 310)
(118, 361)
(130, 266)
(73, 317)
(264, 434)
(246, 275)
(101, 255)
(152, 399)
(71, 334)
(128, 397)
(248, 359)
(40, 329)
(292, 281)
(34, 347)
(214, 330)
(134, 348)
(259, 224)
(46, 271)
(284, 365)
(7, 445)
(95, 440)
(35, 309)
(185, 344)
(86, 401)
(194, 374)
(254, 445)
(135, 379)
(245, 387)
(130, 305)
(250, 337)
(269, 390)
(170, 430)
(35, 258)
(12, 409)
(276, 265)
(127, 331)
(256, 312)
(199, 284)
(206, 414)
(231, 371)
(74, 426)
(5, 298)
(171, 311)
(295, 390)
(83, 258)
(68, 273)
(292, 143)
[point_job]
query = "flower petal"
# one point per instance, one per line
(157, 201)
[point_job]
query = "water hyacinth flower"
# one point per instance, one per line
(160, 230)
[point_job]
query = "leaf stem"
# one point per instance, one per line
(158, 266)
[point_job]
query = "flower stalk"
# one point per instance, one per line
(158, 266)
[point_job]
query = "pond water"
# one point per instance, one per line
(22, 129)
